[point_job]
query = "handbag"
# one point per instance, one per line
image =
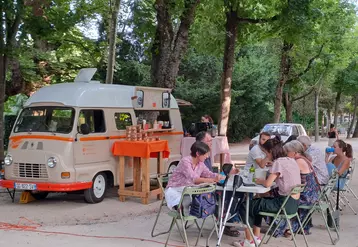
(203, 205)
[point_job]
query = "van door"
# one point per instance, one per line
(94, 147)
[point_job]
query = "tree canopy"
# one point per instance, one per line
(260, 54)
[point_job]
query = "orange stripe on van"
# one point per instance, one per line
(89, 138)
(57, 138)
(93, 138)
(101, 138)
(167, 133)
(117, 137)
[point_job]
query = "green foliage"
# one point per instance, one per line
(53, 47)
(255, 74)
(14, 104)
(9, 122)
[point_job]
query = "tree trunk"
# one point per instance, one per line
(3, 69)
(329, 120)
(354, 116)
(336, 106)
(355, 133)
(169, 46)
(228, 65)
(285, 66)
(288, 108)
(112, 41)
(8, 31)
(316, 111)
(322, 125)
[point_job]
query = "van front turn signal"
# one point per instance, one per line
(65, 175)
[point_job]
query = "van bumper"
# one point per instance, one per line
(60, 187)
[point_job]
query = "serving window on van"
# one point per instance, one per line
(151, 116)
(52, 119)
(140, 98)
(94, 119)
(166, 100)
(123, 120)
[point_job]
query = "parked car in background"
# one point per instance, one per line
(342, 131)
(284, 130)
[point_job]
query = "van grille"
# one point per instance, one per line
(27, 170)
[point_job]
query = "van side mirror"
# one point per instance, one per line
(84, 129)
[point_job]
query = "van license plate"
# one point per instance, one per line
(22, 186)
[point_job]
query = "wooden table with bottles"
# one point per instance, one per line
(141, 152)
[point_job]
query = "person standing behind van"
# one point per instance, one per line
(257, 157)
(207, 119)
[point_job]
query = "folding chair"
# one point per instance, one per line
(282, 215)
(351, 172)
(346, 189)
(349, 178)
(322, 205)
(162, 179)
(178, 214)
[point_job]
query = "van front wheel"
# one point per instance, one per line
(39, 195)
(97, 192)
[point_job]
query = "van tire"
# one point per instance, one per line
(39, 195)
(98, 191)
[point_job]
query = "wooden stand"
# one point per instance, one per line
(141, 179)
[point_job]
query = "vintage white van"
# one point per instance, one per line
(48, 152)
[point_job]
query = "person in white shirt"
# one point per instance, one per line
(317, 157)
(257, 155)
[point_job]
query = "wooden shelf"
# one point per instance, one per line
(157, 130)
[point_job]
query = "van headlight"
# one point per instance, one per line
(51, 162)
(8, 159)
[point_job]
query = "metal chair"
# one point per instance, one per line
(162, 178)
(282, 215)
(178, 214)
(322, 205)
(346, 189)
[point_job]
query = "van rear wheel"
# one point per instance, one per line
(97, 192)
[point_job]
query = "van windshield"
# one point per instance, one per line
(53, 119)
(284, 130)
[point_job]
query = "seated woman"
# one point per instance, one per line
(191, 170)
(309, 196)
(257, 156)
(286, 173)
(341, 161)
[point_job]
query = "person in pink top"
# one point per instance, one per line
(190, 171)
(286, 173)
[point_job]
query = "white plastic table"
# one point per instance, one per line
(257, 189)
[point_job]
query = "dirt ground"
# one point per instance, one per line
(65, 220)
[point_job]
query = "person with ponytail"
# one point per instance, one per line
(341, 161)
(310, 194)
(286, 174)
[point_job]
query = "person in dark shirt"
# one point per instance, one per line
(205, 137)
(332, 135)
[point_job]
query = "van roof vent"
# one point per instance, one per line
(85, 75)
